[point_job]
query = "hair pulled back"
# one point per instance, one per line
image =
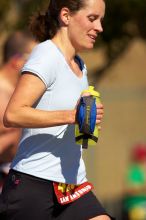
(45, 25)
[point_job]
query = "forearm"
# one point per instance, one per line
(34, 118)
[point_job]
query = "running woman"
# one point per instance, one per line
(47, 179)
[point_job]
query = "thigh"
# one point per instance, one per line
(85, 208)
(25, 197)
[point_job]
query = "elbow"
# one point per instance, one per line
(9, 120)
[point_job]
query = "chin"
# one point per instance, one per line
(86, 47)
(89, 47)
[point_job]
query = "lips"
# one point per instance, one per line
(93, 37)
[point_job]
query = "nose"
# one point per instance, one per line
(98, 26)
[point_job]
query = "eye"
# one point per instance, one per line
(92, 18)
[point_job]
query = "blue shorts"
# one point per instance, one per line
(27, 197)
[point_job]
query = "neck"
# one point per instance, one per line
(63, 43)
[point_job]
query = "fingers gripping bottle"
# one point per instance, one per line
(86, 131)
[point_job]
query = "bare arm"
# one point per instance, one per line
(20, 113)
(3, 129)
(9, 137)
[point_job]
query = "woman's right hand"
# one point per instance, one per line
(99, 110)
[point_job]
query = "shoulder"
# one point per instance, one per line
(43, 45)
(44, 53)
(42, 62)
(5, 85)
(44, 48)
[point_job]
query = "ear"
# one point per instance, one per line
(65, 16)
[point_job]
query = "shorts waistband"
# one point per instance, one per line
(16, 173)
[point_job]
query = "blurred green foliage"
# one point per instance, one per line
(124, 20)
(4, 7)
(28, 8)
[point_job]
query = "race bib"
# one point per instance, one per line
(67, 193)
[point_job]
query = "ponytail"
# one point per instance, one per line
(43, 26)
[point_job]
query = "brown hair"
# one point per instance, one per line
(45, 25)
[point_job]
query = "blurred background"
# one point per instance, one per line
(117, 69)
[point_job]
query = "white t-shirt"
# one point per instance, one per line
(51, 153)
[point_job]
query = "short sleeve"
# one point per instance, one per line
(42, 63)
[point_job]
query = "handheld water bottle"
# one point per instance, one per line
(86, 131)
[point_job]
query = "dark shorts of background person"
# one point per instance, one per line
(27, 197)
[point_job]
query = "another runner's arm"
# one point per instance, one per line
(20, 113)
